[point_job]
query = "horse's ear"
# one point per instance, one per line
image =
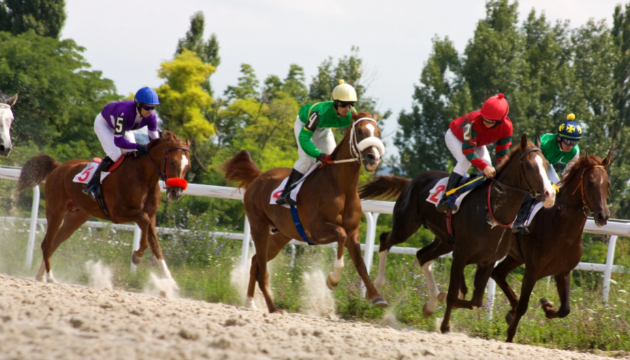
(13, 100)
(187, 141)
(524, 142)
(537, 142)
(606, 161)
(375, 116)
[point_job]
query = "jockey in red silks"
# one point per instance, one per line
(468, 136)
(113, 128)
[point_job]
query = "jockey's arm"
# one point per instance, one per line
(119, 135)
(502, 149)
(152, 129)
(307, 133)
(469, 151)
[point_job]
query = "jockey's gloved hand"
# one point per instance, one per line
(490, 172)
(324, 158)
(142, 149)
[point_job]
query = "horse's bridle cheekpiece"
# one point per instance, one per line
(357, 147)
(172, 182)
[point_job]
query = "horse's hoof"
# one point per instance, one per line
(135, 260)
(442, 296)
(508, 318)
(445, 330)
(427, 313)
(276, 312)
(379, 302)
(331, 285)
(39, 278)
(546, 304)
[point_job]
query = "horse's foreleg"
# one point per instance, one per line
(481, 280)
(425, 256)
(523, 303)
(354, 249)
(499, 274)
(562, 282)
(136, 255)
(334, 277)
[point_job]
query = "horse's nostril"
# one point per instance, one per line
(371, 157)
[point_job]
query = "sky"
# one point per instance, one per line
(128, 40)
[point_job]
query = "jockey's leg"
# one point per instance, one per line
(285, 197)
(92, 186)
(105, 135)
(301, 166)
(453, 182)
(523, 214)
(455, 147)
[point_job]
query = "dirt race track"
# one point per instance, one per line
(50, 321)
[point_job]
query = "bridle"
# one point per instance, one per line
(357, 147)
(172, 182)
(531, 190)
(585, 208)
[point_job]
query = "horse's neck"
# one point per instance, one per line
(571, 193)
(346, 174)
(505, 209)
(156, 155)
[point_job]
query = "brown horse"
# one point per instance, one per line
(328, 206)
(131, 193)
(479, 227)
(554, 244)
(6, 118)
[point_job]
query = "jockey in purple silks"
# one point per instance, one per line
(112, 127)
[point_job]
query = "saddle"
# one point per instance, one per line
(455, 196)
(86, 175)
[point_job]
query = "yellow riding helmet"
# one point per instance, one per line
(344, 92)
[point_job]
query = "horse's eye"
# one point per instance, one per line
(360, 132)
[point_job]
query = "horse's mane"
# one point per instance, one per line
(355, 116)
(513, 151)
(166, 135)
(581, 163)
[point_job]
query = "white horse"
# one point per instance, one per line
(6, 118)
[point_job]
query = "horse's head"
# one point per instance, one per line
(6, 118)
(532, 170)
(175, 163)
(366, 138)
(590, 176)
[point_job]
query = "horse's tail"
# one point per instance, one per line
(384, 187)
(241, 168)
(35, 171)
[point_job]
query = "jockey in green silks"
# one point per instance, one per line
(314, 136)
(560, 148)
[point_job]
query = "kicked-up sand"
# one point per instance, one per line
(58, 321)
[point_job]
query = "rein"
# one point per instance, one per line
(356, 147)
(175, 182)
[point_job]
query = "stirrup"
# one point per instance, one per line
(521, 228)
(286, 200)
(91, 191)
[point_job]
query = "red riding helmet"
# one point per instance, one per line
(495, 108)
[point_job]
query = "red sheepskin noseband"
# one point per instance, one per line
(177, 182)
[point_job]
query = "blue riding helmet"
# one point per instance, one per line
(570, 129)
(148, 96)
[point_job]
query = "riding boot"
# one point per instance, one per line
(453, 181)
(92, 187)
(523, 214)
(285, 197)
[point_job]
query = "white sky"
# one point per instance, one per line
(128, 40)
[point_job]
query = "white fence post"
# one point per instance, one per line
(610, 257)
(33, 230)
(245, 249)
(137, 233)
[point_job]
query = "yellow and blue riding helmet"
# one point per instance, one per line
(570, 129)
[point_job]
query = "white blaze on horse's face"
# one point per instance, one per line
(371, 147)
(184, 162)
(6, 118)
(550, 191)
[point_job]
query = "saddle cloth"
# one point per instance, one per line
(275, 195)
(87, 174)
(437, 192)
(533, 213)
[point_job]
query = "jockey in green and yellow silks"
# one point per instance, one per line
(559, 148)
(314, 135)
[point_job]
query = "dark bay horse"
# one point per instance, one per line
(480, 227)
(554, 244)
(328, 206)
(6, 118)
(131, 193)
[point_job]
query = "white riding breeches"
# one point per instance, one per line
(455, 146)
(105, 135)
(324, 140)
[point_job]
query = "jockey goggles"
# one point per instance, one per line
(343, 104)
(148, 108)
(568, 142)
(488, 121)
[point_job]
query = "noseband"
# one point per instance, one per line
(356, 147)
(172, 182)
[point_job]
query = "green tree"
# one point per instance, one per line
(247, 85)
(45, 17)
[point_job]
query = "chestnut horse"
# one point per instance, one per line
(6, 118)
(328, 206)
(554, 244)
(479, 229)
(131, 193)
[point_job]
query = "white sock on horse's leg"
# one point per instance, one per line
(427, 270)
(250, 303)
(335, 276)
(50, 277)
(166, 273)
(41, 272)
(379, 283)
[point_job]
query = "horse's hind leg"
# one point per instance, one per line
(71, 223)
(425, 256)
(54, 216)
(278, 242)
(499, 274)
(401, 231)
(260, 235)
(481, 279)
(562, 281)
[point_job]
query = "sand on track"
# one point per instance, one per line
(56, 321)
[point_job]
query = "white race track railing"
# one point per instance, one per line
(371, 210)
